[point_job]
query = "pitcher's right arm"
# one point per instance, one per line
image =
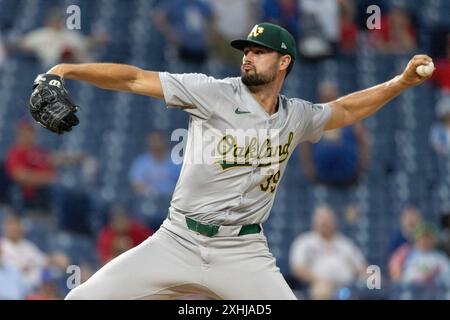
(111, 76)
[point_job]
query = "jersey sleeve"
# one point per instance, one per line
(313, 118)
(193, 92)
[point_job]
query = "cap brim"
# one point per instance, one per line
(241, 44)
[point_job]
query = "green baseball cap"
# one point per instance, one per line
(425, 229)
(271, 36)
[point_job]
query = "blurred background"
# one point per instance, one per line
(375, 194)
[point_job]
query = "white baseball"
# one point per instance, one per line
(425, 70)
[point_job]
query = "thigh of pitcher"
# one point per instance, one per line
(248, 284)
(268, 285)
(244, 268)
(155, 269)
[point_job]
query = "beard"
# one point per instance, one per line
(253, 78)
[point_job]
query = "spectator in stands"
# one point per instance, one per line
(153, 177)
(396, 262)
(342, 156)
(401, 241)
(425, 265)
(397, 34)
(2, 51)
(324, 258)
(187, 26)
(48, 288)
(242, 15)
(13, 285)
(33, 168)
(20, 252)
(87, 270)
(441, 76)
(30, 167)
(348, 28)
(410, 218)
(54, 43)
(5, 185)
(444, 237)
(440, 131)
(284, 13)
(320, 28)
(121, 234)
(154, 173)
(53, 285)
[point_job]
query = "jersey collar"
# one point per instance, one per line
(259, 108)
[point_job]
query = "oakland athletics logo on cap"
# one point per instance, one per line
(256, 31)
(271, 36)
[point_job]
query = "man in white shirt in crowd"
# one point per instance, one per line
(55, 43)
(13, 285)
(21, 253)
(325, 259)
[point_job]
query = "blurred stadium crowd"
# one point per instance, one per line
(376, 193)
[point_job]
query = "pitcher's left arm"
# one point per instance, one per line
(361, 104)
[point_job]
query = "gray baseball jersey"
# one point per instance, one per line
(235, 157)
(233, 183)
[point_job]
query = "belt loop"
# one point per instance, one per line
(191, 224)
(249, 229)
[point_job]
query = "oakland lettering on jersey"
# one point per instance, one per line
(266, 154)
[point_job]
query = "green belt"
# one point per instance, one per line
(211, 230)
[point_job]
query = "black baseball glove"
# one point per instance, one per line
(50, 104)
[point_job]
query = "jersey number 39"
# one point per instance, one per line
(270, 184)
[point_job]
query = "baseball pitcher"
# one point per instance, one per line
(242, 133)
